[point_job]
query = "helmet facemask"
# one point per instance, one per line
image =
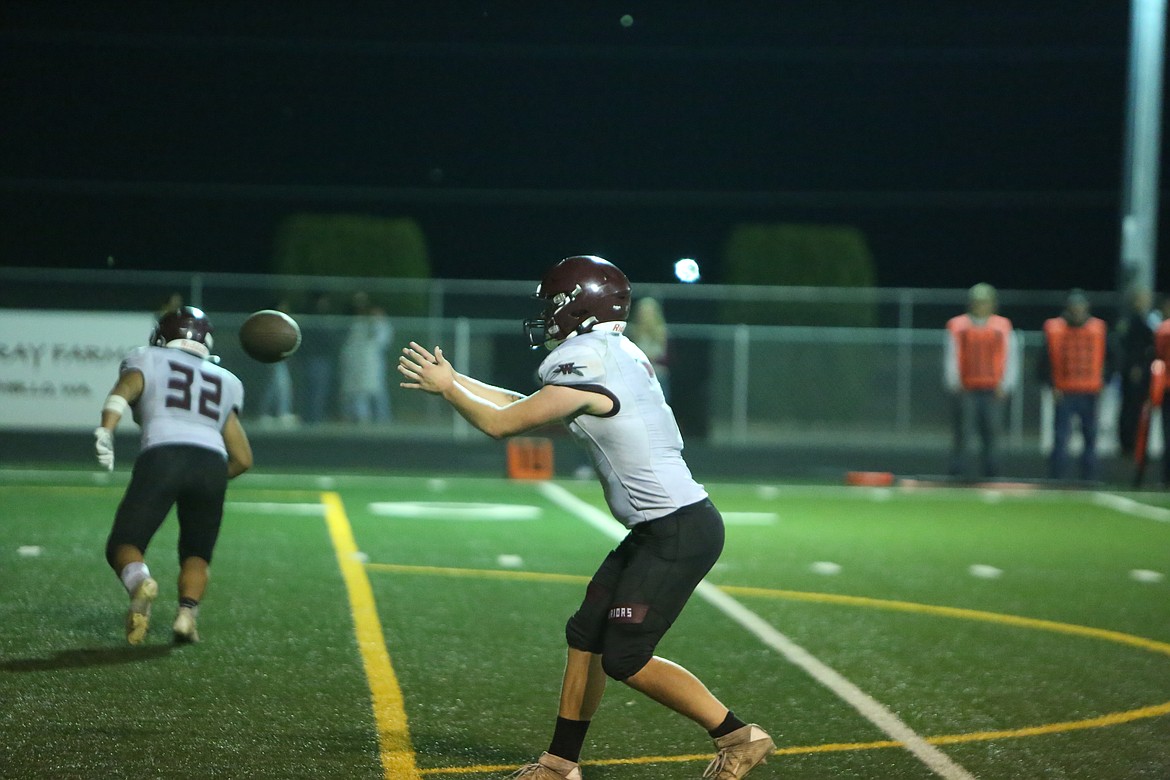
(555, 324)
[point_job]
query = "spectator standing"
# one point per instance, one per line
(173, 301)
(320, 348)
(276, 405)
(365, 393)
(648, 330)
(1075, 365)
(980, 369)
(1135, 351)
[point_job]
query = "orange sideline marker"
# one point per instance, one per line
(530, 457)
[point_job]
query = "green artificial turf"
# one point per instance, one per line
(472, 601)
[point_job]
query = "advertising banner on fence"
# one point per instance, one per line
(56, 367)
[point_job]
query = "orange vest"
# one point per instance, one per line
(1077, 354)
(981, 350)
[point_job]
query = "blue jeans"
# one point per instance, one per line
(977, 414)
(368, 406)
(320, 388)
(278, 396)
(1084, 407)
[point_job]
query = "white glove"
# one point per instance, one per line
(104, 446)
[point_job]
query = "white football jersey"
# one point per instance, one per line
(185, 399)
(637, 448)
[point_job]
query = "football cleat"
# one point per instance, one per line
(138, 616)
(549, 767)
(184, 628)
(739, 752)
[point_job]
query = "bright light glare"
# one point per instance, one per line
(687, 270)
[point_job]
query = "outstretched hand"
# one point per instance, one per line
(425, 371)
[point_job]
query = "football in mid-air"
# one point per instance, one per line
(270, 336)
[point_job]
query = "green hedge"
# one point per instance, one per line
(357, 245)
(782, 254)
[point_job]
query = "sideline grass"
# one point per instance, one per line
(472, 615)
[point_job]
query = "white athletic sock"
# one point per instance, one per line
(133, 574)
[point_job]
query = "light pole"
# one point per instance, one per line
(1139, 197)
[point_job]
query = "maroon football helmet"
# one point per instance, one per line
(579, 292)
(184, 328)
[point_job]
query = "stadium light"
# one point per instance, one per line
(686, 270)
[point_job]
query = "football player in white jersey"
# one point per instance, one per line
(602, 386)
(192, 444)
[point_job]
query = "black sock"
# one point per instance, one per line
(729, 724)
(568, 737)
(189, 603)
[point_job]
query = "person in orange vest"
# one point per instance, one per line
(980, 369)
(1074, 365)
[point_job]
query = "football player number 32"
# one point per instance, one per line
(183, 396)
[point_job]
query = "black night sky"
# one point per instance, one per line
(967, 140)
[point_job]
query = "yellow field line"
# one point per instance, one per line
(1102, 721)
(498, 574)
(1111, 719)
(646, 760)
(955, 612)
(398, 760)
(1118, 637)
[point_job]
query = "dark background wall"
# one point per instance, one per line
(967, 140)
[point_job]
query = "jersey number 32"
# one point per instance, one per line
(183, 395)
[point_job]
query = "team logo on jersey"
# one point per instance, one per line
(569, 368)
(628, 613)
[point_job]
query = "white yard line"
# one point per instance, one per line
(276, 508)
(871, 709)
(1131, 507)
(448, 510)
